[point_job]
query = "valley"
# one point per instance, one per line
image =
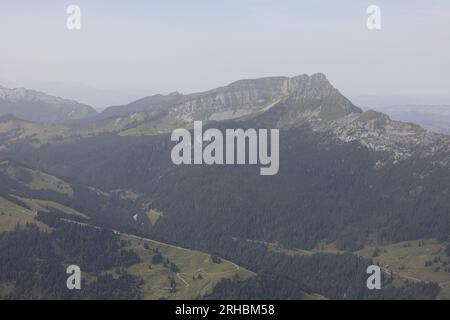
(349, 183)
(196, 273)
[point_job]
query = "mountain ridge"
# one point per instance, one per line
(347, 178)
(279, 102)
(432, 117)
(40, 107)
(300, 100)
(235, 95)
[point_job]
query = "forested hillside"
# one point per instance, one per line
(324, 190)
(348, 179)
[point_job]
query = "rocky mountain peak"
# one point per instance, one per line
(248, 97)
(282, 85)
(273, 102)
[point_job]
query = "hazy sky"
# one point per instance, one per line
(142, 47)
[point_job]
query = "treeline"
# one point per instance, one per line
(335, 276)
(33, 263)
(266, 286)
(324, 190)
(90, 248)
(272, 287)
(110, 210)
(158, 258)
(106, 287)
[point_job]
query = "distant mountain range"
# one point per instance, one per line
(278, 102)
(349, 179)
(432, 117)
(37, 106)
(40, 107)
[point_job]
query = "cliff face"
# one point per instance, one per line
(246, 97)
(272, 102)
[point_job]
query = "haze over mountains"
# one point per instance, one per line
(290, 102)
(348, 179)
(40, 107)
(432, 117)
(427, 112)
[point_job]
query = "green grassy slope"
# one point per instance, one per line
(191, 264)
(417, 260)
(408, 262)
(156, 283)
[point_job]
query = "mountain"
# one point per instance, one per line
(279, 102)
(47, 222)
(40, 107)
(274, 102)
(348, 180)
(155, 102)
(374, 171)
(242, 99)
(98, 98)
(432, 117)
(239, 99)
